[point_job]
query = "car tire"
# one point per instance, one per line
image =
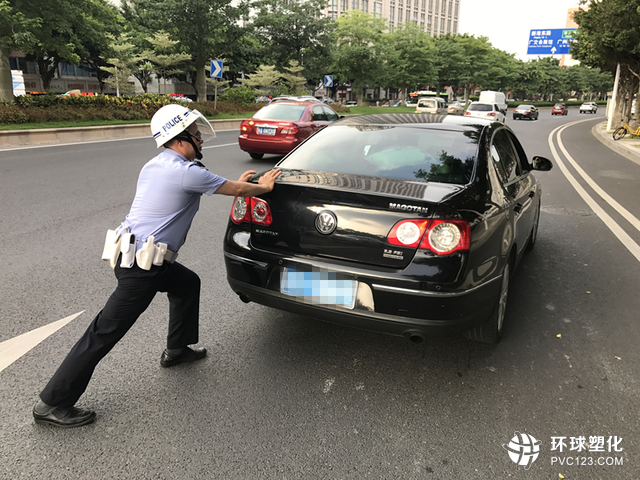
(491, 330)
(533, 236)
(256, 156)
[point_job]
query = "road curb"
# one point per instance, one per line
(43, 136)
(627, 147)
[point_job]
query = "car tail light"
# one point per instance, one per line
(446, 236)
(467, 112)
(252, 210)
(246, 126)
(491, 114)
(239, 210)
(527, 111)
(407, 233)
(260, 212)
(290, 129)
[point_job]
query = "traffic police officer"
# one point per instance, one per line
(167, 198)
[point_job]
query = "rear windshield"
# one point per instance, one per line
(280, 111)
(524, 107)
(478, 107)
(427, 103)
(403, 152)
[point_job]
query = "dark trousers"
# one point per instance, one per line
(136, 288)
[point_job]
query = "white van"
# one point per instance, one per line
(498, 98)
(434, 105)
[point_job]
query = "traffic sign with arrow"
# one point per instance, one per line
(216, 69)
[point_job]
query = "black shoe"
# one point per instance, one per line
(188, 355)
(64, 417)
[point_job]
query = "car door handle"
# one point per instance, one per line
(518, 207)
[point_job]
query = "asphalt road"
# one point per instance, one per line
(288, 397)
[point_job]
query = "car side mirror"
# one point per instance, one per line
(542, 164)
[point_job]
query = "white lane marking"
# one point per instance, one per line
(217, 146)
(49, 145)
(11, 350)
(624, 238)
(604, 195)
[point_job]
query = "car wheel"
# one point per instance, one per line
(256, 156)
(533, 236)
(491, 331)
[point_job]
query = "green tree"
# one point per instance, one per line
(66, 30)
(294, 30)
(450, 61)
(164, 63)
(358, 39)
(409, 54)
(15, 32)
(608, 35)
(120, 70)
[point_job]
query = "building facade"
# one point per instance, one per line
(436, 17)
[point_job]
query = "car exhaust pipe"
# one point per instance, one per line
(244, 298)
(415, 337)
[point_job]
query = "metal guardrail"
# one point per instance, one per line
(11, 138)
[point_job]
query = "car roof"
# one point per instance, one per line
(425, 120)
(302, 98)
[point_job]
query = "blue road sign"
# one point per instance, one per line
(328, 80)
(553, 41)
(216, 69)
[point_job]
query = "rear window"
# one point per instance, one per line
(478, 107)
(407, 153)
(280, 111)
(427, 103)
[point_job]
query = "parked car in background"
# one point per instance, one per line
(282, 125)
(456, 107)
(435, 106)
(559, 109)
(406, 224)
(525, 111)
(352, 103)
(589, 107)
(485, 110)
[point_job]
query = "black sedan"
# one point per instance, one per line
(409, 224)
(525, 111)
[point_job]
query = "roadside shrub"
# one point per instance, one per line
(12, 114)
(241, 96)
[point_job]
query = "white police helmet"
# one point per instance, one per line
(171, 120)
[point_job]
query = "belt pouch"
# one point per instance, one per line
(128, 249)
(111, 247)
(159, 252)
(145, 255)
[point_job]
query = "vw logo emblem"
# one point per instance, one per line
(326, 222)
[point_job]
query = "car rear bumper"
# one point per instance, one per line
(279, 146)
(381, 303)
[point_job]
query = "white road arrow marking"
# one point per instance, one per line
(11, 350)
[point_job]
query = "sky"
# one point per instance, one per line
(507, 23)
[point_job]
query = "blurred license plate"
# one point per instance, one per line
(318, 288)
(266, 131)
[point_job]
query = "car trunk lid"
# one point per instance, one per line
(305, 205)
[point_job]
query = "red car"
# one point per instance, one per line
(559, 109)
(281, 126)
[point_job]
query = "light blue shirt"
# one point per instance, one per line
(168, 197)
